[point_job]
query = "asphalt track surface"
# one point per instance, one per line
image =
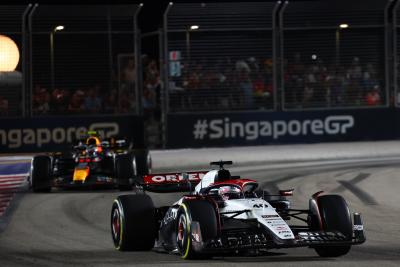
(72, 228)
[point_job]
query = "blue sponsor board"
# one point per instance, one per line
(12, 168)
(260, 128)
(59, 133)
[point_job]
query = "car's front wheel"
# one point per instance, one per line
(202, 212)
(335, 216)
(40, 174)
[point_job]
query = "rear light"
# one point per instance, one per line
(88, 160)
(99, 149)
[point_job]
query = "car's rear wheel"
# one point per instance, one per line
(335, 216)
(133, 224)
(40, 174)
(202, 212)
(125, 170)
(143, 161)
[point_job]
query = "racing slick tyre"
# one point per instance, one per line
(133, 223)
(200, 211)
(40, 174)
(125, 170)
(335, 216)
(143, 161)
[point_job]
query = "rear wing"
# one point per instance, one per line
(172, 182)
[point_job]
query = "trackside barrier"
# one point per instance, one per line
(58, 134)
(261, 128)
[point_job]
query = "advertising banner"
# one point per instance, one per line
(260, 128)
(59, 133)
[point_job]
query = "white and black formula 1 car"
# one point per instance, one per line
(225, 214)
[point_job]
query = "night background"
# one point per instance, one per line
(199, 133)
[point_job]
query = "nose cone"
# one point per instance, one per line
(80, 174)
(266, 215)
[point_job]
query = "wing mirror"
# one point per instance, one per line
(286, 193)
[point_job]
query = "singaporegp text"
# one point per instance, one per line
(15, 138)
(252, 130)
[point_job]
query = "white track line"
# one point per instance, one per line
(13, 175)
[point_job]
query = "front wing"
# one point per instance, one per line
(67, 181)
(247, 240)
(97, 180)
(236, 240)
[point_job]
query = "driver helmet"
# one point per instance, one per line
(229, 192)
(93, 141)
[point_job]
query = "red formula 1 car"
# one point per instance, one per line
(225, 214)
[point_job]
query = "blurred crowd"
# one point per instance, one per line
(248, 84)
(220, 84)
(318, 84)
(3, 106)
(223, 84)
(122, 98)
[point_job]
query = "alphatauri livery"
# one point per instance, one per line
(225, 214)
